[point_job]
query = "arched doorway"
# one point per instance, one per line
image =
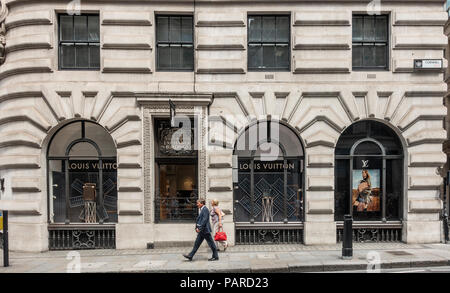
(369, 181)
(268, 184)
(82, 187)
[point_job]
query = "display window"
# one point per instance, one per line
(176, 163)
(269, 167)
(369, 173)
(82, 175)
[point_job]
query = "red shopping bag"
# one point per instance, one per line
(220, 236)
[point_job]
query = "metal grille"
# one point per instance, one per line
(78, 237)
(372, 234)
(269, 236)
(175, 209)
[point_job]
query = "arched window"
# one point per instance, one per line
(82, 175)
(268, 174)
(369, 173)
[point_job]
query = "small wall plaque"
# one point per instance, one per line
(427, 64)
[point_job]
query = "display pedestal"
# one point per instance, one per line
(267, 205)
(90, 212)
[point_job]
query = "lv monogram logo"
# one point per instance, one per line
(365, 163)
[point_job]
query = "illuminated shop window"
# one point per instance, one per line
(176, 162)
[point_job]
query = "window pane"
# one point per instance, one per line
(342, 185)
(164, 57)
(254, 56)
(282, 29)
(177, 193)
(162, 27)
(188, 57)
(368, 148)
(380, 56)
(175, 57)
(357, 28)
(94, 28)
(186, 29)
(357, 56)
(82, 55)
(369, 28)
(81, 30)
(67, 56)
(381, 28)
(66, 28)
(269, 56)
(369, 56)
(94, 56)
(175, 29)
(254, 29)
(282, 57)
(268, 29)
(394, 187)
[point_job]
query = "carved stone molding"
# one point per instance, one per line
(154, 105)
(3, 14)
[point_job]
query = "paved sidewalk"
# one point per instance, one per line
(254, 258)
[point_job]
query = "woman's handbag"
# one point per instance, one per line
(220, 235)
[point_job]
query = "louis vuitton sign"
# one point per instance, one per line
(92, 166)
(276, 166)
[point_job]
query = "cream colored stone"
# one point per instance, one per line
(320, 233)
(425, 206)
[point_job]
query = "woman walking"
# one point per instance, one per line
(217, 221)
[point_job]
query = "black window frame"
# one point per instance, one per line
(169, 43)
(65, 161)
(269, 69)
(345, 162)
(74, 42)
(374, 43)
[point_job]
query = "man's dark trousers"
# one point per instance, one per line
(204, 236)
(204, 233)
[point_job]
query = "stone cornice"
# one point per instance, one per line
(196, 99)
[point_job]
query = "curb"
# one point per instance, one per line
(307, 268)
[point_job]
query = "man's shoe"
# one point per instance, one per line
(213, 259)
(188, 257)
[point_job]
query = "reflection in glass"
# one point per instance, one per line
(177, 192)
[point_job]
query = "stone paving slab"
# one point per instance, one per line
(258, 259)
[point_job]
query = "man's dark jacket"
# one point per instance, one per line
(203, 221)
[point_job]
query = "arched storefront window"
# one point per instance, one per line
(369, 173)
(268, 178)
(82, 175)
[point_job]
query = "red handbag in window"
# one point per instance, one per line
(220, 235)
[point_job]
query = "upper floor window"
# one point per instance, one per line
(370, 42)
(79, 41)
(268, 42)
(175, 43)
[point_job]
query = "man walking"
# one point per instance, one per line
(203, 230)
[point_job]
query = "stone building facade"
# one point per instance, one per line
(324, 100)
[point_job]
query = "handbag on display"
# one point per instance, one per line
(220, 235)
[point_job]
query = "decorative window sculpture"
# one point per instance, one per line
(3, 14)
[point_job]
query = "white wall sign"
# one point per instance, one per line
(428, 64)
